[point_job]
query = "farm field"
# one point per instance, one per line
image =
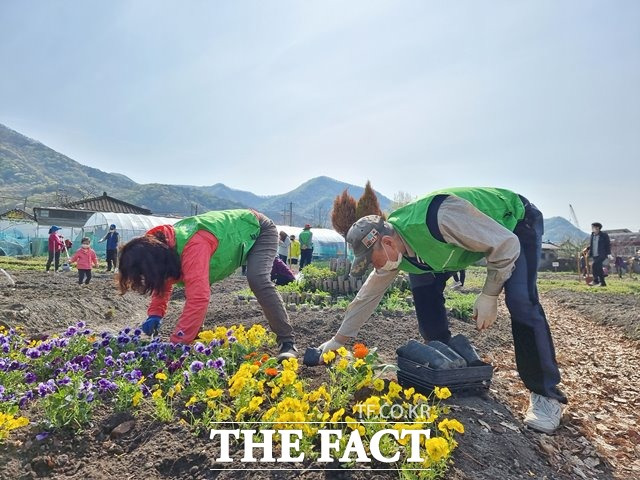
(596, 335)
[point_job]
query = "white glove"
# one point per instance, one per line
(330, 345)
(485, 310)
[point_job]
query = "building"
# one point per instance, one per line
(624, 242)
(105, 203)
(17, 214)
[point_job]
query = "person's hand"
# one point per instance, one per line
(151, 325)
(330, 345)
(485, 310)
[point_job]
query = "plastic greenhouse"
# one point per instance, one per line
(327, 243)
(129, 225)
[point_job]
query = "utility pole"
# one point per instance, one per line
(290, 213)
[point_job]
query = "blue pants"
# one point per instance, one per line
(535, 354)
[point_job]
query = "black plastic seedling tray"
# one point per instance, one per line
(406, 380)
(454, 379)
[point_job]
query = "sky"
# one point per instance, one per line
(541, 97)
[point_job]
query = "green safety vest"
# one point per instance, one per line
(410, 221)
(236, 231)
(305, 239)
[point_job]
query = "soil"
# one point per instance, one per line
(598, 356)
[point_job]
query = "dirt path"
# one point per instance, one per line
(601, 376)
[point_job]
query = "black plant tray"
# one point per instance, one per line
(407, 380)
(446, 378)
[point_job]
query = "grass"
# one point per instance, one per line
(24, 263)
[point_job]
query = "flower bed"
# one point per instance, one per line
(227, 377)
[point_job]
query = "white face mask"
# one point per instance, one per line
(84, 245)
(391, 265)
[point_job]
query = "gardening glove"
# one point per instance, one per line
(331, 345)
(485, 310)
(151, 325)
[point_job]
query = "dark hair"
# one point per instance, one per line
(597, 224)
(85, 240)
(283, 235)
(146, 263)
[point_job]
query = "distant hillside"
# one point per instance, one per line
(312, 201)
(559, 229)
(31, 169)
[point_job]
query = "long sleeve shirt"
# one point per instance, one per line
(194, 264)
(461, 224)
(86, 258)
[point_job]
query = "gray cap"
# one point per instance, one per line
(362, 236)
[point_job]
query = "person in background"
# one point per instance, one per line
(86, 258)
(283, 246)
(620, 265)
(599, 250)
(197, 252)
(306, 246)
(458, 279)
(444, 232)
(281, 274)
(294, 251)
(113, 238)
(55, 247)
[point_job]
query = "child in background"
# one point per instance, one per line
(86, 258)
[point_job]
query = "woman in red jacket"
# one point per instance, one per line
(197, 252)
(55, 247)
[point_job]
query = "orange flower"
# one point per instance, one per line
(272, 372)
(360, 350)
(250, 355)
(257, 363)
(264, 358)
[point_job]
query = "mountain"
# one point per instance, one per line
(311, 202)
(31, 169)
(559, 229)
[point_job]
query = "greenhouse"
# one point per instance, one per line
(129, 225)
(327, 243)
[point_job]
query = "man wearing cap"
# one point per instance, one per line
(306, 246)
(112, 237)
(444, 232)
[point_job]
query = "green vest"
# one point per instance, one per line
(236, 231)
(305, 239)
(410, 221)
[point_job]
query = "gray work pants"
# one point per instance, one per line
(259, 263)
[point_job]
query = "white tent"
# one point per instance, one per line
(129, 225)
(327, 243)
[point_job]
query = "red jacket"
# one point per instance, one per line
(86, 258)
(55, 242)
(194, 265)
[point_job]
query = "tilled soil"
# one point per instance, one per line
(598, 438)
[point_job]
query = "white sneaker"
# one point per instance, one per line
(544, 413)
(456, 286)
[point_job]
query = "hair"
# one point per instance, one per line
(146, 263)
(293, 237)
(597, 224)
(85, 240)
(283, 235)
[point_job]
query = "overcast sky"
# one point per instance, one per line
(541, 97)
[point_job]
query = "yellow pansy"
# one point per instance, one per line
(335, 418)
(157, 393)
(437, 448)
(191, 401)
(378, 385)
(328, 357)
(343, 352)
(161, 376)
(442, 393)
(211, 393)
(136, 399)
